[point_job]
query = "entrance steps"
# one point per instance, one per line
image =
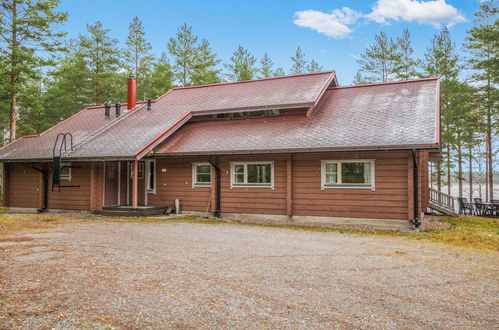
(128, 211)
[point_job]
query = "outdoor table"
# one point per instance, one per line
(492, 207)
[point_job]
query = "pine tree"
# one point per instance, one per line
(483, 44)
(101, 55)
(193, 63)
(313, 66)
(406, 66)
(299, 62)
(380, 59)
(266, 65)
(204, 68)
(183, 51)
(27, 34)
(161, 79)
(67, 88)
(241, 65)
(138, 59)
(279, 72)
(441, 60)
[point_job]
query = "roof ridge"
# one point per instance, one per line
(104, 128)
(386, 83)
(253, 80)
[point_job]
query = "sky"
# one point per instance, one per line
(333, 32)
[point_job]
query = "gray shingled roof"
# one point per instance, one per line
(390, 115)
(134, 134)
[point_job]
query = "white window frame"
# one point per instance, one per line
(234, 184)
(147, 174)
(196, 184)
(341, 185)
(68, 176)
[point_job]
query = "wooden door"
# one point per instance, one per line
(111, 183)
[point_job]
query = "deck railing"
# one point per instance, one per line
(442, 199)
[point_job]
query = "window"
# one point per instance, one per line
(151, 176)
(252, 174)
(140, 170)
(201, 175)
(65, 171)
(347, 174)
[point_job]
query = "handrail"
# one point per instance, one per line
(442, 199)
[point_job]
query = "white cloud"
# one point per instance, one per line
(333, 24)
(336, 23)
(434, 12)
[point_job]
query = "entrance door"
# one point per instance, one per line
(111, 183)
(141, 192)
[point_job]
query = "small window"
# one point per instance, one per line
(65, 171)
(252, 174)
(222, 116)
(239, 114)
(201, 175)
(273, 112)
(256, 114)
(151, 176)
(347, 174)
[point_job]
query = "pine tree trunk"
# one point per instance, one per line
(448, 159)
(470, 174)
(13, 75)
(460, 165)
(490, 168)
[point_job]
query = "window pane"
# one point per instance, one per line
(203, 173)
(203, 169)
(203, 178)
(355, 173)
(150, 184)
(239, 168)
(259, 173)
(331, 173)
(239, 178)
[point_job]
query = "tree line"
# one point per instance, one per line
(45, 78)
(468, 93)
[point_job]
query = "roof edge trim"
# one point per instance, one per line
(163, 136)
(253, 80)
(385, 83)
(305, 150)
(320, 94)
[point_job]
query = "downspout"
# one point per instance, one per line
(45, 188)
(416, 221)
(217, 187)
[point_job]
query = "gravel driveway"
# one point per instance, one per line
(180, 275)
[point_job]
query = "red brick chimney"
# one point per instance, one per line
(132, 93)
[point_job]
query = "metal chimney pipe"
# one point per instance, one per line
(118, 109)
(149, 104)
(132, 93)
(107, 109)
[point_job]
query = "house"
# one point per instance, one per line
(293, 148)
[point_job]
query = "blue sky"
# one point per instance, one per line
(326, 31)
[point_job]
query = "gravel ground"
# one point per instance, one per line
(179, 275)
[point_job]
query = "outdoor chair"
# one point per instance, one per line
(480, 208)
(464, 206)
